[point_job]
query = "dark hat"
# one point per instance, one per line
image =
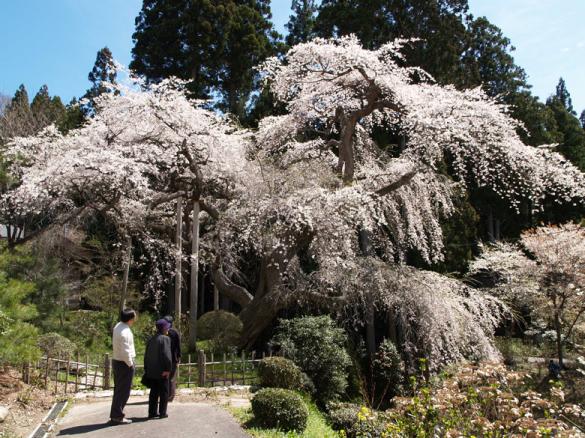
(162, 325)
(169, 318)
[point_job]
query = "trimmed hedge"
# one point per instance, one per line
(280, 408)
(279, 372)
(343, 416)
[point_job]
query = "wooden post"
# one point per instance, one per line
(67, 373)
(77, 373)
(224, 370)
(95, 376)
(106, 382)
(243, 367)
(194, 297)
(86, 371)
(201, 366)
(178, 262)
(212, 371)
(47, 372)
(233, 366)
(57, 374)
(189, 371)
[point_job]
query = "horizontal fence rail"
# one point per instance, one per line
(64, 374)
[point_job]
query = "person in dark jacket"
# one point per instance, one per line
(176, 355)
(157, 368)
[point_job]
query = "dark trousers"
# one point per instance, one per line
(173, 382)
(123, 375)
(158, 398)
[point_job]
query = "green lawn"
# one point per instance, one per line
(317, 426)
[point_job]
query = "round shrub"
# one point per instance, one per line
(280, 408)
(279, 372)
(221, 328)
(343, 416)
(318, 347)
(53, 344)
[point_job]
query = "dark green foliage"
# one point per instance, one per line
(279, 372)
(582, 119)
(488, 61)
(301, 23)
(221, 328)
(102, 76)
(74, 117)
(460, 235)
(18, 338)
(342, 416)
(563, 97)
(375, 22)
(388, 371)
(19, 118)
(318, 347)
(46, 109)
(572, 135)
(214, 45)
(280, 408)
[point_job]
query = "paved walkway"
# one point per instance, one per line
(185, 420)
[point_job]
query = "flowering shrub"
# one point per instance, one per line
(486, 400)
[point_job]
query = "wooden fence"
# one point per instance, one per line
(71, 375)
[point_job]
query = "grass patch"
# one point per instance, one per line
(317, 426)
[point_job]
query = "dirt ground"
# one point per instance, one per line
(27, 405)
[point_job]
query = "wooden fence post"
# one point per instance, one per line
(201, 367)
(189, 371)
(47, 372)
(77, 373)
(106, 377)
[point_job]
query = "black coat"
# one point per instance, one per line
(175, 345)
(157, 358)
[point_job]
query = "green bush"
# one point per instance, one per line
(54, 344)
(317, 346)
(343, 416)
(387, 369)
(18, 340)
(280, 408)
(221, 328)
(278, 372)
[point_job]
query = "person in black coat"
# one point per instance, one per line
(176, 355)
(157, 368)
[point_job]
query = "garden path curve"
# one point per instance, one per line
(186, 420)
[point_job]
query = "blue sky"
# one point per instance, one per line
(55, 41)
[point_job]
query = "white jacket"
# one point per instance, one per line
(123, 343)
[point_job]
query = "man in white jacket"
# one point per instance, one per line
(123, 361)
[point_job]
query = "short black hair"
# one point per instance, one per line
(127, 315)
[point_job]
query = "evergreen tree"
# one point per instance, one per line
(214, 45)
(17, 119)
(73, 118)
(563, 96)
(582, 119)
(46, 109)
(301, 23)
(439, 24)
(572, 136)
(488, 60)
(102, 76)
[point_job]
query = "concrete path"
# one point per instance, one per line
(185, 420)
